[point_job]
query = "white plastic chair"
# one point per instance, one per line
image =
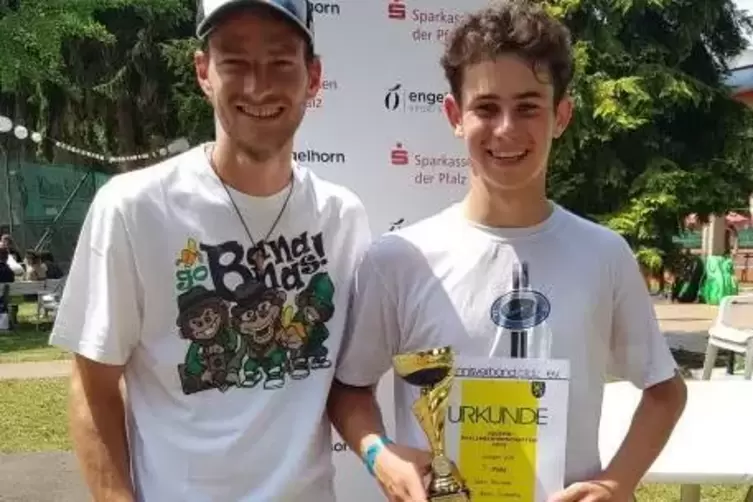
(732, 330)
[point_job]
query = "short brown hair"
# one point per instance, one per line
(520, 27)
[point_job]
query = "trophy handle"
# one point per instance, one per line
(430, 411)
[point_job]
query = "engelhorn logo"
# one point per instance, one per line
(398, 98)
(399, 155)
(326, 8)
(396, 10)
(392, 98)
(315, 157)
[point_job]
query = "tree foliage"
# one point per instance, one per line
(656, 134)
(92, 72)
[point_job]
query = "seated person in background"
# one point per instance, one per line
(6, 274)
(7, 241)
(53, 270)
(15, 265)
(35, 269)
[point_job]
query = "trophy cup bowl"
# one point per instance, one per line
(424, 369)
(433, 372)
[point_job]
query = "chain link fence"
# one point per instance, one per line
(44, 205)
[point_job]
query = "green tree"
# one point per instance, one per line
(655, 134)
(91, 72)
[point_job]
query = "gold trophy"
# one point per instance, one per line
(433, 371)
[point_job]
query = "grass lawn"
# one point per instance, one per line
(33, 415)
(28, 345)
(671, 493)
(33, 418)
(29, 341)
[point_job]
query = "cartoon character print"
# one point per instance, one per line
(257, 318)
(307, 331)
(213, 358)
(189, 255)
(251, 336)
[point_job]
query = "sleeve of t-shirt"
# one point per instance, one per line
(99, 315)
(372, 331)
(639, 350)
(15, 266)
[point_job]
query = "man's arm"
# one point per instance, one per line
(356, 415)
(638, 353)
(399, 469)
(99, 320)
(97, 423)
(653, 422)
(372, 336)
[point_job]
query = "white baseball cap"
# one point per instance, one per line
(299, 12)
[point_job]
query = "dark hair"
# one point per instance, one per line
(4, 254)
(519, 27)
(32, 256)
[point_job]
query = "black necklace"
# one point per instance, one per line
(258, 248)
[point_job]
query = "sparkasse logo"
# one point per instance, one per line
(326, 8)
(399, 99)
(396, 9)
(312, 156)
(399, 155)
(427, 25)
(432, 169)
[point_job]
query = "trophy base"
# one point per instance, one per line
(450, 497)
(446, 484)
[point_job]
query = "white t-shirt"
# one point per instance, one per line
(443, 282)
(227, 376)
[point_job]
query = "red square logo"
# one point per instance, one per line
(396, 9)
(399, 155)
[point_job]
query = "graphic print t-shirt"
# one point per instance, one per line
(565, 289)
(230, 348)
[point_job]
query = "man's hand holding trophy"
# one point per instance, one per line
(433, 372)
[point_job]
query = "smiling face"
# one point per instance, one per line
(204, 321)
(258, 75)
(507, 116)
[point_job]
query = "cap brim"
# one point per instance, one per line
(207, 25)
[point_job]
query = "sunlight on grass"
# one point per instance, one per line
(33, 416)
(671, 493)
(29, 342)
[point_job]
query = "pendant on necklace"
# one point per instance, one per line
(257, 256)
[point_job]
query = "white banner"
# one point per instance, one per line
(378, 128)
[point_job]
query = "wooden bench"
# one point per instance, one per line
(38, 289)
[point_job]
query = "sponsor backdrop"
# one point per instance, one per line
(378, 128)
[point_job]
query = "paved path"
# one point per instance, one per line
(48, 369)
(686, 325)
(41, 477)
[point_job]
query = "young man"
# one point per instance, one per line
(444, 281)
(216, 284)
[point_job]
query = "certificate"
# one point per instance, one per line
(506, 427)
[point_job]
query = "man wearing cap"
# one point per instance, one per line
(215, 285)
